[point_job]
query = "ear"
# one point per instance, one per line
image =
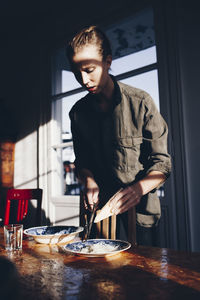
(109, 61)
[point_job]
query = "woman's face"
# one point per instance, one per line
(90, 70)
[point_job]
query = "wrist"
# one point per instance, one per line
(151, 181)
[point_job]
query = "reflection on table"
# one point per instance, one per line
(48, 272)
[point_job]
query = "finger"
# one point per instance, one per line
(95, 197)
(115, 198)
(92, 199)
(84, 202)
(86, 206)
(121, 198)
(128, 206)
(124, 196)
(123, 206)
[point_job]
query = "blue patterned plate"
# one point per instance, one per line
(53, 234)
(97, 247)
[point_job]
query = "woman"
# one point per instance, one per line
(120, 139)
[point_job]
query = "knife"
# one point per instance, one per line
(89, 226)
(105, 212)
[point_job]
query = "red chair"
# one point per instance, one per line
(23, 196)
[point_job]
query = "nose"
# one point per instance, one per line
(85, 78)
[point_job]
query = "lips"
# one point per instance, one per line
(91, 89)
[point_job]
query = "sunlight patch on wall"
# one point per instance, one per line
(25, 166)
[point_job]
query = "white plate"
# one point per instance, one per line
(53, 234)
(97, 247)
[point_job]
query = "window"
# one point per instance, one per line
(134, 63)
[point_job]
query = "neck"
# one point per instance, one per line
(107, 94)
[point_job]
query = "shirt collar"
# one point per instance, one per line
(116, 97)
(117, 93)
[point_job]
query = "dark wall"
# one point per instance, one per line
(178, 45)
(189, 49)
(20, 84)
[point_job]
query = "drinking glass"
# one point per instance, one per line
(13, 234)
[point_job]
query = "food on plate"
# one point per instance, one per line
(99, 248)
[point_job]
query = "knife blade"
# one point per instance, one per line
(105, 212)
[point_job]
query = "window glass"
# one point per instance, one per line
(71, 185)
(69, 81)
(134, 61)
(132, 34)
(67, 103)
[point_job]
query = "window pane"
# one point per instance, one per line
(69, 81)
(132, 34)
(71, 185)
(67, 104)
(134, 61)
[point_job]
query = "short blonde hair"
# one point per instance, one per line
(92, 35)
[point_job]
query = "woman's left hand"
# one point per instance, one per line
(126, 199)
(131, 195)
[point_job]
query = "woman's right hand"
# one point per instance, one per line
(91, 192)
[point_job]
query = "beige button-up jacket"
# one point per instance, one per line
(123, 145)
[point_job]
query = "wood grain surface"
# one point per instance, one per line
(48, 272)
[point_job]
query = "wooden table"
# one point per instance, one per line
(46, 272)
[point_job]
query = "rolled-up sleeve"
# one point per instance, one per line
(155, 134)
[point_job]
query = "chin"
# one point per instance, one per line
(94, 92)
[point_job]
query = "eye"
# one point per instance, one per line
(89, 70)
